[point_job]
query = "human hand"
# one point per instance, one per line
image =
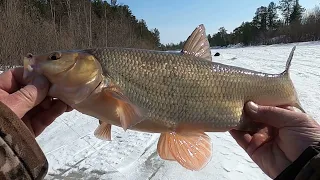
(29, 101)
(286, 135)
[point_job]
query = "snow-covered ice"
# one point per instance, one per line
(74, 153)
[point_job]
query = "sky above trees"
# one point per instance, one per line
(177, 19)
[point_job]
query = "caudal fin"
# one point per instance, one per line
(288, 64)
(286, 72)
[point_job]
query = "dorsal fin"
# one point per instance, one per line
(197, 44)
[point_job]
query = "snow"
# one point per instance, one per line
(74, 152)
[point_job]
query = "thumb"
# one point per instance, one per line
(273, 116)
(23, 100)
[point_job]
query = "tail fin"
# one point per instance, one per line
(286, 71)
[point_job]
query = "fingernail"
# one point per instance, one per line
(40, 82)
(253, 107)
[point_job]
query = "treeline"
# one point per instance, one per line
(266, 27)
(39, 26)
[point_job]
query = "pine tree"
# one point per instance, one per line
(210, 39)
(220, 38)
(296, 15)
(156, 34)
(260, 18)
(272, 16)
(287, 8)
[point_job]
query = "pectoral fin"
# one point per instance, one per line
(128, 113)
(190, 149)
(103, 131)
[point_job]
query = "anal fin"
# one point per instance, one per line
(103, 131)
(192, 150)
(163, 147)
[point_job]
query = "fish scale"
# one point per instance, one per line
(181, 88)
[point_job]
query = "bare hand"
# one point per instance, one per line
(29, 101)
(286, 135)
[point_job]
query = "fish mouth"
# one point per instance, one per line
(29, 67)
(27, 63)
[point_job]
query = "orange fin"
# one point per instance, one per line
(129, 113)
(163, 147)
(103, 131)
(192, 150)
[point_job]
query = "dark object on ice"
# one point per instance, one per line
(217, 54)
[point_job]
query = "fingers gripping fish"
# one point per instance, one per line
(180, 95)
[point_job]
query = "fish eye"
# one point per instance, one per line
(55, 56)
(29, 55)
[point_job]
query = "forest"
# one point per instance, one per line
(283, 22)
(39, 26)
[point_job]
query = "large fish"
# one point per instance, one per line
(180, 95)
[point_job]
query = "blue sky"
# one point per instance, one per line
(176, 19)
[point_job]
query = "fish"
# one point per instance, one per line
(181, 95)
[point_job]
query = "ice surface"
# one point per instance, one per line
(74, 153)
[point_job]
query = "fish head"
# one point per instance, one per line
(73, 74)
(76, 66)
